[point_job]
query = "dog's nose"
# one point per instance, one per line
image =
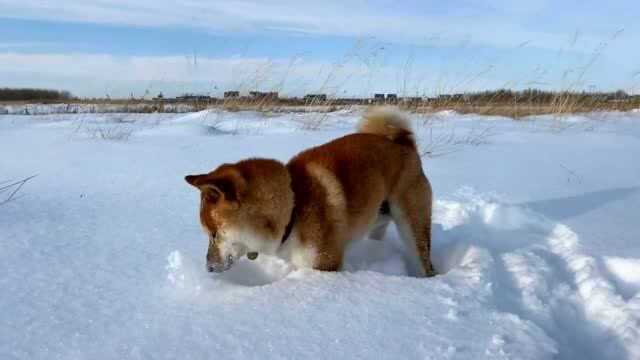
(220, 267)
(217, 268)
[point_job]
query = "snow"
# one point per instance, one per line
(535, 234)
(63, 108)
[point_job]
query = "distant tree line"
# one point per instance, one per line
(10, 94)
(536, 96)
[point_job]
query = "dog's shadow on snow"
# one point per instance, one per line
(386, 256)
(502, 228)
(568, 207)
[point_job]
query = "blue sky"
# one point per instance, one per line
(346, 48)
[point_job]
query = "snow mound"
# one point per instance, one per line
(540, 273)
(625, 274)
(526, 273)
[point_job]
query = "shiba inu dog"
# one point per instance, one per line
(308, 210)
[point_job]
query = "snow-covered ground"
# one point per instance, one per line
(72, 108)
(536, 236)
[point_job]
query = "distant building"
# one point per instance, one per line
(315, 98)
(378, 97)
(231, 94)
(450, 97)
(411, 100)
(351, 101)
(392, 98)
(272, 95)
(192, 97)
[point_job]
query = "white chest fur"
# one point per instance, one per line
(293, 251)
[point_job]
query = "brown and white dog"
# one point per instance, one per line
(308, 210)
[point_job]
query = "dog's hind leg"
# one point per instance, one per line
(411, 211)
(379, 228)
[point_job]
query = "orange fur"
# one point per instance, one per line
(332, 193)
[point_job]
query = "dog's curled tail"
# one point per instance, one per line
(387, 122)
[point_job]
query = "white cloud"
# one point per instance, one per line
(497, 24)
(493, 23)
(24, 44)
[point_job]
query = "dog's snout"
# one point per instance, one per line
(217, 268)
(220, 267)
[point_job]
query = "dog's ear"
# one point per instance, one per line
(195, 180)
(229, 187)
(221, 188)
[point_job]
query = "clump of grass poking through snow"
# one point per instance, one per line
(11, 189)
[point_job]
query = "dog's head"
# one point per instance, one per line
(241, 211)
